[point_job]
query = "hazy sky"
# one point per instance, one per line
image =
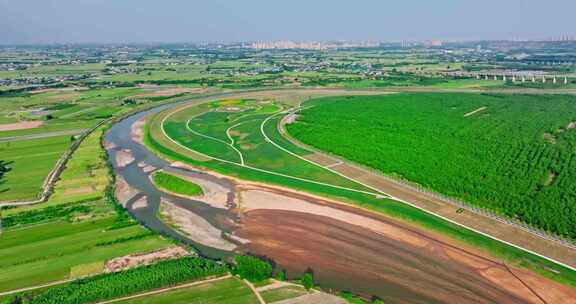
(47, 21)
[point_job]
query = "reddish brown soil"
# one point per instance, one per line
(345, 256)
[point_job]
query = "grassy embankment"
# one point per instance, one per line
(176, 185)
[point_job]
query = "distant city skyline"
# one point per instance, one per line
(133, 21)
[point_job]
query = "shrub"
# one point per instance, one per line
(308, 280)
(252, 268)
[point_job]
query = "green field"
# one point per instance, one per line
(283, 293)
(75, 232)
(176, 184)
(229, 291)
(514, 156)
(135, 280)
(236, 136)
(30, 163)
(71, 112)
(45, 253)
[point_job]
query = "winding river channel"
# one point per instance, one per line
(349, 248)
(136, 177)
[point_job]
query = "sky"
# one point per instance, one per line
(134, 21)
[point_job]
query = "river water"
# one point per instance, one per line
(134, 175)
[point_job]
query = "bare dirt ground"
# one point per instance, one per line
(291, 118)
(194, 226)
(41, 135)
(67, 89)
(134, 260)
(124, 192)
(79, 190)
(124, 158)
(146, 168)
(64, 96)
(140, 203)
(316, 298)
(20, 125)
(163, 92)
(375, 255)
(109, 145)
(137, 131)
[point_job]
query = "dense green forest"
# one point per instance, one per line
(510, 154)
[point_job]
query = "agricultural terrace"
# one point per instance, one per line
(510, 154)
(75, 233)
(219, 137)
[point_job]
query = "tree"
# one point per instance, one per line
(281, 275)
(252, 268)
(308, 280)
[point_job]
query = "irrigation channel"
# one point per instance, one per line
(348, 249)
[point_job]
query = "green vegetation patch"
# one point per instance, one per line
(114, 285)
(45, 253)
(230, 291)
(252, 268)
(30, 162)
(206, 132)
(80, 227)
(176, 184)
(283, 293)
(87, 269)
